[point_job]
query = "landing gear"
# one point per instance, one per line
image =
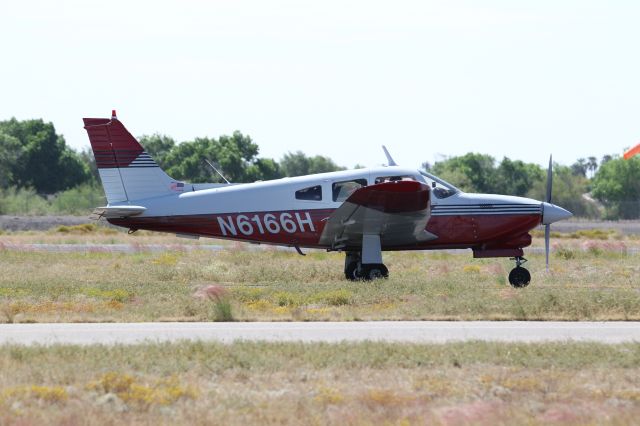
(355, 270)
(351, 265)
(519, 277)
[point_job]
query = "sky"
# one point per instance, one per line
(428, 79)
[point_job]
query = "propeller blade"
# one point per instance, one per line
(549, 180)
(547, 234)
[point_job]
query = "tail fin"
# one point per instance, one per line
(126, 170)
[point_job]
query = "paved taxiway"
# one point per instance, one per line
(390, 331)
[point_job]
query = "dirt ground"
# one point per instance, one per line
(38, 223)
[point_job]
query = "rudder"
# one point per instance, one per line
(127, 171)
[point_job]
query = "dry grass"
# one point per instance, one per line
(589, 280)
(295, 383)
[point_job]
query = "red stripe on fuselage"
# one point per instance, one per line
(294, 227)
(304, 228)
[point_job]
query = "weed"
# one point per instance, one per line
(285, 298)
(247, 294)
(85, 228)
(326, 395)
(335, 297)
(116, 295)
(50, 394)
(563, 252)
(219, 297)
(471, 269)
(523, 384)
(128, 388)
(11, 309)
(260, 305)
(166, 259)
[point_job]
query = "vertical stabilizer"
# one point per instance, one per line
(127, 171)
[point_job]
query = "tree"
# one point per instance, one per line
(158, 146)
(44, 163)
(10, 151)
(471, 172)
(89, 160)
(592, 165)
(263, 169)
(617, 185)
(568, 190)
(235, 156)
(579, 168)
(298, 164)
(517, 177)
(295, 164)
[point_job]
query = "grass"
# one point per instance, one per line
(346, 383)
(590, 279)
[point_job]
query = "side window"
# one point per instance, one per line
(383, 179)
(342, 190)
(313, 193)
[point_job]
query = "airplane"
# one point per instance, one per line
(360, 212)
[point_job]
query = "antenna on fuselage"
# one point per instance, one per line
(217, 171)
(389, 159)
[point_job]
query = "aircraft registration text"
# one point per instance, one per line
(265, 223)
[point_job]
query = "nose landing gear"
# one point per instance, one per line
(519, 277)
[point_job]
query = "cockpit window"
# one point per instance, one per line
(313, 193)
(342, 190)
(383, 179)
(440, 188)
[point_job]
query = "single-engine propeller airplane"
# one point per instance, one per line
(360, 212)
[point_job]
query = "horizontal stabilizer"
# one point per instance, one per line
(112, 212)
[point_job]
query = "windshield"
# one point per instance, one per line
(440, 188)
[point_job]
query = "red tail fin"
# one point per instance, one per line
(126, 170)
(113, 145)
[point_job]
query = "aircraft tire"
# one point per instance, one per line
(374, 272)
(351, 271)
(519, 277)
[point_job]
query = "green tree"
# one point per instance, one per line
(471, 172)
(89, 161)
(295, 164)
(10, 152)
(263, 169)
(45, 163)
(568, 190)
(580, 167)
(517, 177)
(617, 185)
(158, 146)
(298, 164)
(235, 156)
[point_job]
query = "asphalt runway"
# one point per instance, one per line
(388, 331)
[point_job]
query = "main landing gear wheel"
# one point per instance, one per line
(350, 271)
(354, 270)
(373, 272)
(519, 277)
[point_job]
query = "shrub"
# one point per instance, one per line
(335, 297)
(565, 253)
(219, 296)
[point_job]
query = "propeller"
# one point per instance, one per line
(547, 227)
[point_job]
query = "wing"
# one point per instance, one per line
(397, 211)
